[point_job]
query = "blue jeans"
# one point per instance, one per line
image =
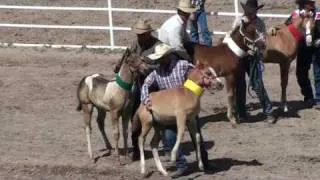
(201, 20)
(244, 67)
(169, 139)
(316, 71)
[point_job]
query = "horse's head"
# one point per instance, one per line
(248, 35)
(203, 76)
(305, 23)
(136, 63)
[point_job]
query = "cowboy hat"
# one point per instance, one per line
(305, 1)
(250, 6)
(159, 51)
(186, 6)
(142, 26)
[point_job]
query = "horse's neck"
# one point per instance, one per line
(125, 73)
(238, 39)
(193, 98)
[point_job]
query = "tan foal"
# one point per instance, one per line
(178, 106)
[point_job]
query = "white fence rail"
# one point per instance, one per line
(109, 27)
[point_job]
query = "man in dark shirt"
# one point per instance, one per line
(143, 46)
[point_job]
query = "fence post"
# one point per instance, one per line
(236, 8)
(110, 24)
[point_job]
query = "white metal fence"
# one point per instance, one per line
(109, 27)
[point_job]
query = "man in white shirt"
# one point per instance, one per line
(173, 31)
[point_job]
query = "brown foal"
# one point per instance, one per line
(114, 96)
(282, 46)
(224, 58)
(182, 110)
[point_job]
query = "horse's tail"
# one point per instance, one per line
(81, 85)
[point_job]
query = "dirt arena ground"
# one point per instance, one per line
(42, 135)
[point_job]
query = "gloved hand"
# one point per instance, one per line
(309, 40)
(317, 43)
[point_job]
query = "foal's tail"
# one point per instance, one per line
(81, 85)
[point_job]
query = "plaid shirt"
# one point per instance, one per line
(197, 2)
(172, 77)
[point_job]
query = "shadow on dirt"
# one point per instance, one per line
(294, 108)
(222, 164)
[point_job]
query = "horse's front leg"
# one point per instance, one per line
(181, 125)
(194, 132)
(231, 99)
(114, 117)
(284, 70)
(154, 146)
(125, 123)
(146, 124)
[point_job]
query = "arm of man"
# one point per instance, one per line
(176, 37)
(185, 68)
(148, 82)
(316, 31)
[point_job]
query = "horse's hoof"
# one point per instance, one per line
(164, 173)
(233, 123)
(201, 168)
(145, 175)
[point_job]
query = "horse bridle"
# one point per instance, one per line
(251, 43)
(211, 78)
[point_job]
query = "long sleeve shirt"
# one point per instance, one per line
(173, 32)
(171, 77)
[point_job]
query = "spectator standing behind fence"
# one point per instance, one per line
(199, 20)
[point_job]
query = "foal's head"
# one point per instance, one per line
(247, 35)
(203, 76)
(135, 63)
(305, 23)
(304, 20)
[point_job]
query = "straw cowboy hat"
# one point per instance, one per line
(250, 5)
(142, 26)
(186, 6)
(159, 51)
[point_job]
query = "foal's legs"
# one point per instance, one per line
(114, 116)
(125, 123)
(100, 120)
(194, 132)
(181, 125)
(230, 80)
(154, 146)
(87, 112)
(146, 123)
(284, 70)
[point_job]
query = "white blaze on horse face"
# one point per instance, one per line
(215, 74)
(308, 34)
(88, 81)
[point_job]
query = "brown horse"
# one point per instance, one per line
(224, 58)
(282, 46)
(183, 109)
(109, 95)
